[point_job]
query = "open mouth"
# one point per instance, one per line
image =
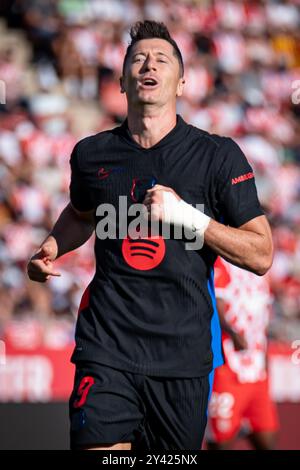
(149, 82)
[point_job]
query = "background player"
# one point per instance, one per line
(241, 390)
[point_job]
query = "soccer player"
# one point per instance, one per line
(240, 396)
(147, 334)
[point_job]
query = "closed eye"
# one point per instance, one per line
(141, 59)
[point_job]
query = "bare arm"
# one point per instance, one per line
(72, 229)
(238, 340)
(249, 247)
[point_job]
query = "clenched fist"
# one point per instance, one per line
(160, 202)
(163, 204)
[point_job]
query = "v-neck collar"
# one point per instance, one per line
(174, 135)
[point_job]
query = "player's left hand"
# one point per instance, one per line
(155, 201)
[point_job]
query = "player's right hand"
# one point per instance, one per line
(40, 267)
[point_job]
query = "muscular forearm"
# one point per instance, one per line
(249, 246)
(70, 231)
(244, 248)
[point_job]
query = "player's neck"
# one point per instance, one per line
(148, 127)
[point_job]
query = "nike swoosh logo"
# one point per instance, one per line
(102, 173)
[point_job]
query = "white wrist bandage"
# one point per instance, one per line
(179, 212)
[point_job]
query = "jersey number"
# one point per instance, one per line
(83, 391)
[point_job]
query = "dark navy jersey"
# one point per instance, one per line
(150, 307)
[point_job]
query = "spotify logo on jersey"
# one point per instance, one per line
(144, 253)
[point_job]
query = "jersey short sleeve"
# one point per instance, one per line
(236, 190)
(79, 194)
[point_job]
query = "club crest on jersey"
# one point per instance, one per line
(139, 187)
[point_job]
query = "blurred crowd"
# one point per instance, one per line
(60, 63)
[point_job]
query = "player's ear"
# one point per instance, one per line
(122, 89)
(180, 86)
